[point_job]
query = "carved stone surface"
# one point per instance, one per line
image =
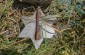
(30, 28)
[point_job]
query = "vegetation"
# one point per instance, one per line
(70, 24)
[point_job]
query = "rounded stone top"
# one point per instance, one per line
(36, 3)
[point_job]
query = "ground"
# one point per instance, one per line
(70, 39)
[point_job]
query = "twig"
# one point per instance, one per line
(3, 32)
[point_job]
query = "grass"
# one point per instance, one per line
(69, 41)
